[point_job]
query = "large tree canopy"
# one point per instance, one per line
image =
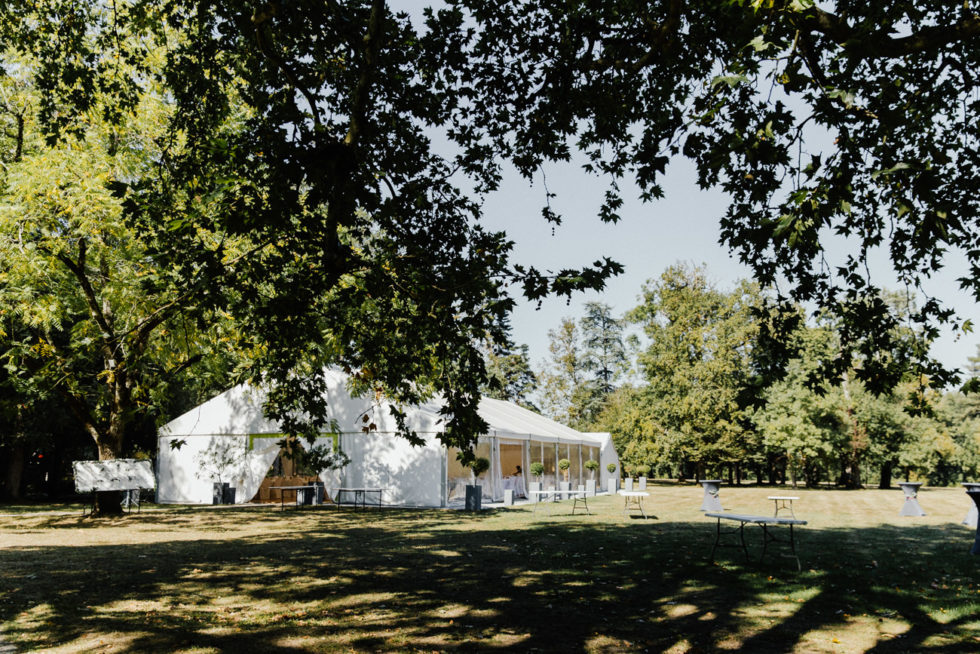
(305, 128)
(852, 123)
(700, 364)
(308, 128)
(92, 319)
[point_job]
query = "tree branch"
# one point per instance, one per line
(372, 43)
(258, 19)
(145, 327)
(80, 409)
(77, 268)
(880, 44)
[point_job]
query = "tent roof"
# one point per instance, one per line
(509, 420)
(238, 411)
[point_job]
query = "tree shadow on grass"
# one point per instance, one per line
(395, 580)
(271, 514)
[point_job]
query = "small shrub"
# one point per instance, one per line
(537, 468)
(480, 465)
(611, 467)
(643, 470)
(593, 465)
(564, 464)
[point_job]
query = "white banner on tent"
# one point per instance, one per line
(117, 474)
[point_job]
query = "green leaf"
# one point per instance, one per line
(759, 44)
(847, 97)
(800, 6)
(785, 222)
(730, 80)
(888, 171)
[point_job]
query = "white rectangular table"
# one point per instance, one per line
(633, 500)
(784, 503)
(127, 475)
(514, 483)
(579, 498)
(767, 536)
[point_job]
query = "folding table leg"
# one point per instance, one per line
(792, 547)
(717, 539)
(741, 535)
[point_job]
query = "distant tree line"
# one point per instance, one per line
(710, 402)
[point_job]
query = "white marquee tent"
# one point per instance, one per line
(227, 439)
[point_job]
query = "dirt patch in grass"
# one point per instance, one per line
(260, 580)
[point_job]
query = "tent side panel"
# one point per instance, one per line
(254, 467)
(411, 476)
(176, 483)
(607, 455)
(186, 474)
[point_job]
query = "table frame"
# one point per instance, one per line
(579, 499)
(359, 493)
(767, 536)
(296, 489)
(781, 503)
(126, 503)
(632, 500)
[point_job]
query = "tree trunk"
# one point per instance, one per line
(14, 474)
(109, 502)
(885, 476)
(855, 480)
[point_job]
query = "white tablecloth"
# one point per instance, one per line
(516, 483)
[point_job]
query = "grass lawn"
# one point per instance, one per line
(230, 579)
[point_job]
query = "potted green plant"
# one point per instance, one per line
(474, 491)
(537, 469)
(219, 460)
(564, 465)
(613, 481)
(591, 465)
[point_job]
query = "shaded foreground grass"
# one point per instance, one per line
(257, 580)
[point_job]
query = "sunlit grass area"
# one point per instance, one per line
(254, 579)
